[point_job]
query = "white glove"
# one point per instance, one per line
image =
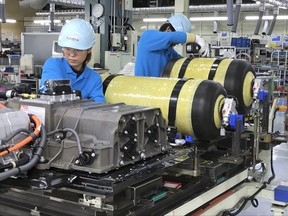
(204, 50)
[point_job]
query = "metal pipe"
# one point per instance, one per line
(256, 137)
(2, 11)
(122, 16)
(198, 8)
(236, 15)
(265, 27)
(52, 17)
(273, 22)
(266, 24)
(114, 16)
(111, 25)
(230, 20)
(215, 23)
(215, 27)
(261, 13)
(111, 20)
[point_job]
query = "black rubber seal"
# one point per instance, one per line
(168, 68)
(203, 110)
(107, 81)
(182, 71)
(234, 80)
(213, 69)
(173, 102)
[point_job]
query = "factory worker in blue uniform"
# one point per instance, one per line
(76, 39)
(155, 48)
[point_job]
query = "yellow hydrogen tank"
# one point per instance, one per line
(235, 75)
(192, 106)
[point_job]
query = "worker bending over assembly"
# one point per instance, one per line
(155, 48)
(76, 39)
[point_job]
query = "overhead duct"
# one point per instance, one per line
(2, 11)
(273, 22)
(35, 4)
(73, 12)
(138, 11)
(197, 9)
(237, 15)
(261, 13)
(230, 20)
(39, 4)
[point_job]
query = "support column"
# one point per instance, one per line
(182, 6)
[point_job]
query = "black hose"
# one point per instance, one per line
(252, 198)
(6, 166)
(20, 130)
(8, 94)
(130, 26)
(32, 162)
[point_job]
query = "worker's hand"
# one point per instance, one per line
(204, 50)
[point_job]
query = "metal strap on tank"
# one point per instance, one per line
(173, 102)
(184, 66)
(214, 69)
(107, 81)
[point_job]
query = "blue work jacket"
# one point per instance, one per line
(155, 50)
(89, 82)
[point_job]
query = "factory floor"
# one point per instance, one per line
(280, 160)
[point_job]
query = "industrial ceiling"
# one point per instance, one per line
(152, 3)
(165, 3)
(164, 6)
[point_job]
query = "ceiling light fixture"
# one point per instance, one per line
(208, 18)
(279, 17)
(45, 21)
(283, 17)
(9, 20)
(162, 19)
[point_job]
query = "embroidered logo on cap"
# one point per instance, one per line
(72, 38)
